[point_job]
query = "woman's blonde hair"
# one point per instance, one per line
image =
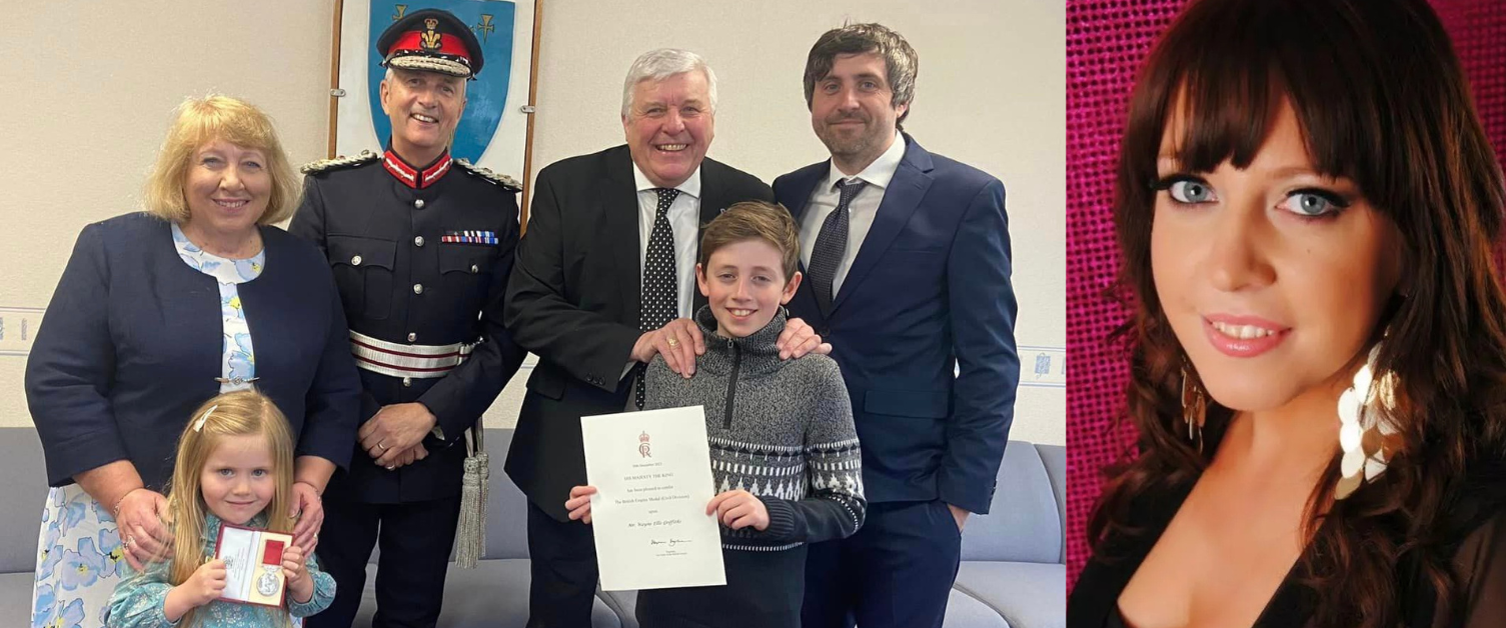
(203, 120)
(240, 413)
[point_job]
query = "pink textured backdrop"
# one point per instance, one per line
(1106, 42)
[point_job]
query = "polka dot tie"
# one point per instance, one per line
(660, 300)
(831, 245)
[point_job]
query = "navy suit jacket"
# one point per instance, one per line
(923, 329)
(131, 345)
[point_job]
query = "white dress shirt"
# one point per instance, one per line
(860, 211)
(684, 219)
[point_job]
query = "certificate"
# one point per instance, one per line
(652, 473)
(253, 564)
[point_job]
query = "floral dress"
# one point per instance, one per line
(138, 601)
(79, 554)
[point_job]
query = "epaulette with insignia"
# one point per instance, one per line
(500, 179)
(339, 162)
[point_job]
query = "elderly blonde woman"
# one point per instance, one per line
(160, 310)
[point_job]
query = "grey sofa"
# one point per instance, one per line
(1012, 574)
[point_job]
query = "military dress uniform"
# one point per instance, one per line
(421, 256)
(421, 272)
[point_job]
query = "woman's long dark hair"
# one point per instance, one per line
(1381, 100)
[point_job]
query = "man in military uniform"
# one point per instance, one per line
(421, 246)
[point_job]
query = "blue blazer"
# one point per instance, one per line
(928, 296)
(131, 345)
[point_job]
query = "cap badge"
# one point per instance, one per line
(429, 39)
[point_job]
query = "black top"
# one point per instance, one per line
(1480, 561)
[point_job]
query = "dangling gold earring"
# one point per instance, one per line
(1194, 407)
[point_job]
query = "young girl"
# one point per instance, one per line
(784, 453)
(235, 466)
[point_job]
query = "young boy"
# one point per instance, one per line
(784, 452)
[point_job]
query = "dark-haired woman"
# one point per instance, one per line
(1306, 207)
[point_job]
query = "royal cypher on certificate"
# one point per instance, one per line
(652, 473)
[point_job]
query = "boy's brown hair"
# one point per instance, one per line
(754, 220)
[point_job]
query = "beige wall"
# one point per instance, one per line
(92, 86)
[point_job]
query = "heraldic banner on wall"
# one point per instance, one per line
(493, 131)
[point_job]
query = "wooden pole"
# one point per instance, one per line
(533, 92)
(334, 78)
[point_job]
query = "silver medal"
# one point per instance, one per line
(267, 583)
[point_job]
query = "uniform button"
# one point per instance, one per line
(407, 382)
(418, 241)
(418, 204)
(355, 261)
(412, 337)
(418, 288)
(475, 269)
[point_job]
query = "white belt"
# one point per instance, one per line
(399, 360)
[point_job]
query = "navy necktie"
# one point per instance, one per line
(831, 246)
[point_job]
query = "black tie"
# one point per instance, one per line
(660, 300)
(831, 245)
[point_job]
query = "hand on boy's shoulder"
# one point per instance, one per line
(659, 373)
(815, 366)
(799, 339)
(678, 342)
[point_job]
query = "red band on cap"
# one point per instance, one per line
(273, 555)
(448, 45)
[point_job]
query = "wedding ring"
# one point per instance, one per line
(391, 467)
(384, 447)
(673, 342)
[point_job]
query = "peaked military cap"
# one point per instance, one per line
(431, 40)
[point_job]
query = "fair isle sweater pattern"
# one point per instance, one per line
(781, 430)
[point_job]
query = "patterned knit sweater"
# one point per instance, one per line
(781, 430)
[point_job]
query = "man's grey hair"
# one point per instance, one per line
(392, 76)
(657, 65)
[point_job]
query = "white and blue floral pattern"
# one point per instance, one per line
(238, 366)
(79, 560)
(79, 556)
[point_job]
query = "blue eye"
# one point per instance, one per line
(225, 473)
(1312, 203)
(1191, 191)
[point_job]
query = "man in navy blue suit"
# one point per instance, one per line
(907, 263)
